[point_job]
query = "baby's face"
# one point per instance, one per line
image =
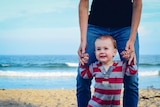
(104, 50)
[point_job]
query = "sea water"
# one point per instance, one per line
(60, 71)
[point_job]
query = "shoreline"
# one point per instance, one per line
(62, 98)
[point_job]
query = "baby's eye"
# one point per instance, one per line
(105, 48)
(98, 49)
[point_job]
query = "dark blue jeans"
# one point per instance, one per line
(121, 35)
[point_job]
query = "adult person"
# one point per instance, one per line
(120, 19)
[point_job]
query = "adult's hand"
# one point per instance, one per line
(130, 50)
(81, 51)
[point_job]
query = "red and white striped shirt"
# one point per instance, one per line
(108, 83)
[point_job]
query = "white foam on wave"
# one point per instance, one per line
(37, 74)
(59, 74)
(72, 64)
(149, 73)
(5, 65)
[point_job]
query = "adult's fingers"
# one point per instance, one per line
(132, 58)
(81, 60)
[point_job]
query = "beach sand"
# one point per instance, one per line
(61, 98)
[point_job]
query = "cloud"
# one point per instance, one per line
(40, 41)
(151, 10)
(143, 31)
(41, 33)
(21, 8)
(153, 1)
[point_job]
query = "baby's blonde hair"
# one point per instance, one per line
(103, 37)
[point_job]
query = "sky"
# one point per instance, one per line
(51, 27)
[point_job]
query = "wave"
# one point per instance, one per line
(149, 73)
(4, 65)
(60, 65)
(59, 74)
(149, 64)
(72, 64)
(37, 74)
(44, 65)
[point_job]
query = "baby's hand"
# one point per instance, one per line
(85, 58)
(125, 55)
(128, 56)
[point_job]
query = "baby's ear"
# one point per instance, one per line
(115, 52)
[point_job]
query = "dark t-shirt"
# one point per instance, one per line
(111, 13)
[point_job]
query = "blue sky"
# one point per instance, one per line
(51, 27)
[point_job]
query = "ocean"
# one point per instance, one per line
(59, 71)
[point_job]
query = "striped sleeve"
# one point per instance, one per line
(131, 69)
(86, 71)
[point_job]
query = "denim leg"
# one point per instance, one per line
(83, 91)
(130, 95)
(83, 85)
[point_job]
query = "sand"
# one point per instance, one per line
(61, 98)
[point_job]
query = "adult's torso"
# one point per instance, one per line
(111, 13)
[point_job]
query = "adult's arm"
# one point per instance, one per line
(83, 22)
(136, 15)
